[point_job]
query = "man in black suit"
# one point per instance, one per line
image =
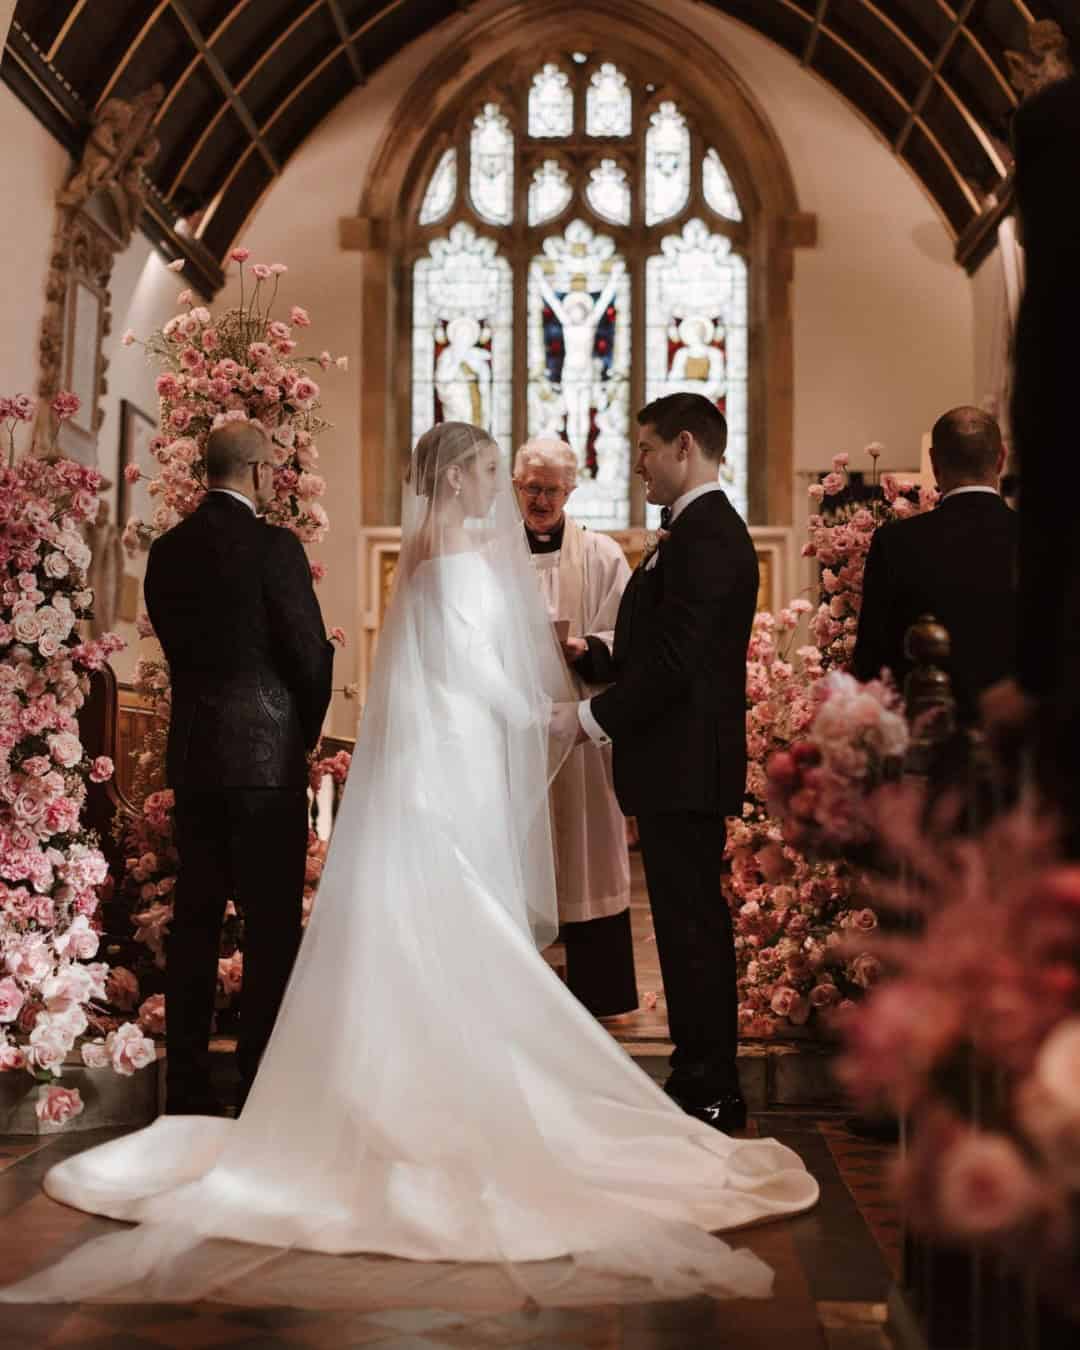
(957, 562)
(676, 714)
(232, 603)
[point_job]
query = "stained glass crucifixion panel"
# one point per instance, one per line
(549, 219)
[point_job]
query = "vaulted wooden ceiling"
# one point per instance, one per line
(248, 80)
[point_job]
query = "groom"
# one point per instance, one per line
(232, 604)
(676, 715)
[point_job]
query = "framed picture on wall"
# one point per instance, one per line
(137, 430)
(82, 368)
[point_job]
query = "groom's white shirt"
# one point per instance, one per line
(589, 724)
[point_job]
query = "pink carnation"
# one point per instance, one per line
(65, 405)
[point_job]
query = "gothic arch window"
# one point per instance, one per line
(578, 246)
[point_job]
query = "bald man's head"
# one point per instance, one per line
(231, 450)
(966, 449)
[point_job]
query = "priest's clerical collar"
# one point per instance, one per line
(546, 543)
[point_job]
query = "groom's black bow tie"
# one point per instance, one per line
(665, 517)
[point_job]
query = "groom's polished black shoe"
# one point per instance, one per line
(726, 1113)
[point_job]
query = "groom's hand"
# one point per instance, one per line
(574, 648)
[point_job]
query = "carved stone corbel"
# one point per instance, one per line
(97, 210)
(1046, 61)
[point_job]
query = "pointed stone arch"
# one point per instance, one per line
(496, 51)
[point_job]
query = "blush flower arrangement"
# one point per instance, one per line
(986, 992)
(51, 869)
(789, 910)
(817, 746)
(820, 788)
(239, 365)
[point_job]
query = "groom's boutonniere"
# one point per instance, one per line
(653, 540)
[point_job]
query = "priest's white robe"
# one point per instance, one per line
(583, 583)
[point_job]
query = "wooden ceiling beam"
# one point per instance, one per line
(963, 13)
(346, 41)
(217, 70)
(815, 32)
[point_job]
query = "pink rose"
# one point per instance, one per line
(122, 988)
(11, 1058)
(152, 1015)
(11, 999)
(57, 1105)
(985, 1187)
(101, 770)
(306, 390)
(129, 1049)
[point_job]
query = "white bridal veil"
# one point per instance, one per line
(436, 1121)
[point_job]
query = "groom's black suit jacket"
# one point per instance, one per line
(232, 603)
(676, 708)
(958, 563)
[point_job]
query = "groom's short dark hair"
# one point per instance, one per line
(687, 412)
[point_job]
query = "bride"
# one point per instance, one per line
(436, 1119)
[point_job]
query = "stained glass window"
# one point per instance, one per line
(667, 164)
(549, 192)
(579, 365)
(581, 263)
(609, 105)
(696, 335)
(719, 192)
(608, 192)
(491, 166)
(551, 103)
(441, 189)
(463, 306)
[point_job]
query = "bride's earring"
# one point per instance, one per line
(457, 490)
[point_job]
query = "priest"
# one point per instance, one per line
(582, 575)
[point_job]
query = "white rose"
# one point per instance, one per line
(1057, 1068)
(26, 626)
(94, 1055)
(56, 566)
(48, 646)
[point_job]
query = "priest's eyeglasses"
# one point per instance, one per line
(533, 492)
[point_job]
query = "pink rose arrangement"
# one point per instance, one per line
(817, 745)
(52, 991)
(239, 365)
(839, 539)
(788, 911)
(987, 990)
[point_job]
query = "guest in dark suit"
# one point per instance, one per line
(676, 714)
(957, 562)
(232, 603)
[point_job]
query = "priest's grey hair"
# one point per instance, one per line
(547, 452)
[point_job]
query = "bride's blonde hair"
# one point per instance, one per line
(445, 444)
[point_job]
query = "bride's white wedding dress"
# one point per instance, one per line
(432, 1091)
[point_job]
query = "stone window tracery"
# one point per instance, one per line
(592, 203)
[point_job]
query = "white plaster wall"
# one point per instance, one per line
(884, 322)
(34, 168)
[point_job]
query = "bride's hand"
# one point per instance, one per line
(564, 724)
